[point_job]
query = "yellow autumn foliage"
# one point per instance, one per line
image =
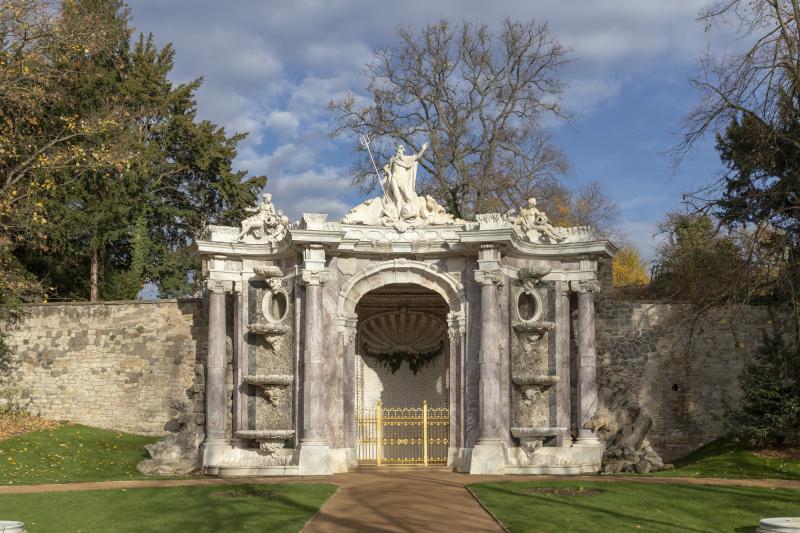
(628, 268)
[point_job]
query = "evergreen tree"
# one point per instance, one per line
(117, 226)
(769, 413)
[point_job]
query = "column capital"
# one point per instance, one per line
(314, 257)
(488, 257)
(217, 285)
(489, 277)
(347, 335)
(314, 277)
(585, 285)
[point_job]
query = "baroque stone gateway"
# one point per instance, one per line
(491, 324)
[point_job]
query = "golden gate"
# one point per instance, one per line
(403, 435)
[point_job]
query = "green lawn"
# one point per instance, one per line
(275, 508)
(70, 453)
(622, 506)
(724, 458)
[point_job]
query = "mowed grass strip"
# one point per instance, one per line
(728, 459)
(71, 453)
(276, 508)
(621, 506)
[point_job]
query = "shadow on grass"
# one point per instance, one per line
(273, 507)
(697, 508)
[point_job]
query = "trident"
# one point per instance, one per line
(364, 140)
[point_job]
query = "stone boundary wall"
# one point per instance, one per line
(682, 367)
(134, 366)
(138, 366)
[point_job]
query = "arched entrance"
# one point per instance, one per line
(406, 322)
(402, 384)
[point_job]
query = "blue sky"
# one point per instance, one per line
(270, 68)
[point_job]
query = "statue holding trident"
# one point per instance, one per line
(401, 200)
(400, 206)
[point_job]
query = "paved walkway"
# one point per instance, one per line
(397, 499)
(403, 500)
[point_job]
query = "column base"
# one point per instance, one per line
(214, 451)
(314, 460)
(587, 442)
(488, 457)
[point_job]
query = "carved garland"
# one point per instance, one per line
(416, 360)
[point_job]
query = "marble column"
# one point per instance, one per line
(216, 389)
(240, 357)
(587, 363)
(488, 455)
(314, 454)
(563, 370)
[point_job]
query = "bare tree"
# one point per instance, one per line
(480, 100)
(750, 98)
(751, 81)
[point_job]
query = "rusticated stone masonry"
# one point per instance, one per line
(681, 366)
(130, 366)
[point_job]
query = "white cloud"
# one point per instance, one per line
(270, 68)
(283, 122)
(311, 191)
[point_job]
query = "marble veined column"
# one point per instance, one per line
(216, 388)
(315, 454)
(587, 363)
(312, 361)
(488, 455)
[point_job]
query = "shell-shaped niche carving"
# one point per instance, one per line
(403, 331)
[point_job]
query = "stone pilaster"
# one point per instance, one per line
(488, 456)
(587, 362)
(315, 454)
(348, 346)
(456, 332)
(216, 389)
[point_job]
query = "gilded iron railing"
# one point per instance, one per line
(403, 435)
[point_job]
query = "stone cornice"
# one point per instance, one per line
(382, 240)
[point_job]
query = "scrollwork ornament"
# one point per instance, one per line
(489, 277)
(216, 285)
(585, 285)
(314, 277)
(274, 285)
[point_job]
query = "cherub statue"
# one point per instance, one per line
(266, 221)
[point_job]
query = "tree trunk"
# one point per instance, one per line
(93, 277)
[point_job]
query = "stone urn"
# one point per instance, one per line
(269, 440)
(272, 385)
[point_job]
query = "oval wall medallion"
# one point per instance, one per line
(275, 305)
